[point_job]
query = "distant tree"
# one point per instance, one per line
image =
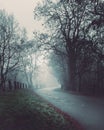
(9, 46)
(29, 58)
(59, 68)
(98, 39)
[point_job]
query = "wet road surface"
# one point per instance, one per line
(88, 111)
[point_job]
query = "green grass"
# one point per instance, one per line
(23, 110)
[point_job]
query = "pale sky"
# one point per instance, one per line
(23, 12)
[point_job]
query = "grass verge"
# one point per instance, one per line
(23, 110)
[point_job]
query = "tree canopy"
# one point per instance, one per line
(76, 31)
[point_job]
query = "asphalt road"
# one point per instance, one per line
(88, 111)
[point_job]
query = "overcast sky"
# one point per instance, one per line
(23, 12)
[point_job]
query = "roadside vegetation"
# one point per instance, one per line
(24, 110)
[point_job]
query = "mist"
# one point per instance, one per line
(45, 78)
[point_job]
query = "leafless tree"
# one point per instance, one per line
(76, 30)
(9, 46)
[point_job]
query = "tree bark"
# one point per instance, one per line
(71, 69)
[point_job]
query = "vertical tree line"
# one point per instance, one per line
(77, 35)
(16, 52)
(9, 40)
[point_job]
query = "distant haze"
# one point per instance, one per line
(45, 77)
(23, 12)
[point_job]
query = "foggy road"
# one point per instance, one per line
(88, 111)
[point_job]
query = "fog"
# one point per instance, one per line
(45, 78)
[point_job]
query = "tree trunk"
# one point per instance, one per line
(71, 70)
(80, 83)
(98, 75)
(3, 83)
